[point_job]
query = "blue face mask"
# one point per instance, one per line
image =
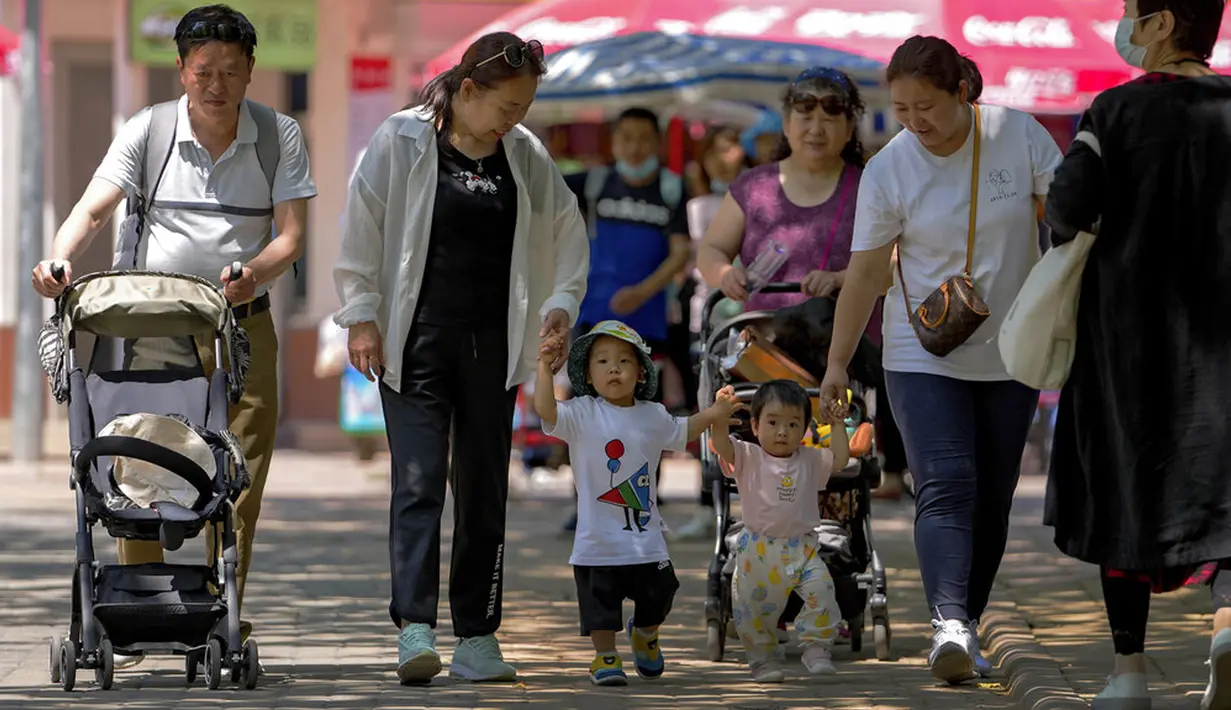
(637, 173)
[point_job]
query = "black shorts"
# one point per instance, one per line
(601, 592)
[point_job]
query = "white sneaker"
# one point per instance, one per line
(1127, 691)
(983, 667)
(818, 660)
(701, 527)
(950, 658)
(1218, 691)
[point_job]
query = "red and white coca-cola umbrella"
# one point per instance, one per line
(1044, 56)
(10, 45)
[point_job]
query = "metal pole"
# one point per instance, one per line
(28, 391)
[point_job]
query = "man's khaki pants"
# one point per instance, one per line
(254, 421)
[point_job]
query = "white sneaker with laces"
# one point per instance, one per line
(818, 660)
(1218, 691)
(983, 667)
(950, 658)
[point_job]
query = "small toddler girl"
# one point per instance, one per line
(777, 550)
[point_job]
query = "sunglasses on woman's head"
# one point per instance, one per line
(829, 103)
(517, 54)
(222, 31)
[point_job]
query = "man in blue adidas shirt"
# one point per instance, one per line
(638, 231)
(638, 234)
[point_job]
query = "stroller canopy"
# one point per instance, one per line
(132, 305)
(138, 304)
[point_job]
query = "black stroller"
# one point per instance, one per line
(846, 545)
(152, 460)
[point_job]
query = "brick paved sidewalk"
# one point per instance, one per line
(318, 598)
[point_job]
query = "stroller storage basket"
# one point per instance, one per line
(157, 603)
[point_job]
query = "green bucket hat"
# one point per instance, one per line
(579, 359)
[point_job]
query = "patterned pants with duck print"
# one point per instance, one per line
(767, 571)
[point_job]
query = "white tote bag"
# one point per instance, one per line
(1039, 333)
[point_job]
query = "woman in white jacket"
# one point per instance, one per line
(462, 248)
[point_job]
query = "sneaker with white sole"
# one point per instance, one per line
(418, 661)
(1218, 691)
(1127, 691)
(950, 658)
(818, 660)
(767, 671)
(478, 659)
(983, 667)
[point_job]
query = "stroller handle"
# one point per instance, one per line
(236, 271)
(156, 454)
(57, 271)
(711, 302)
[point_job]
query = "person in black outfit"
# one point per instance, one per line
(463, 248)
(1138, 481)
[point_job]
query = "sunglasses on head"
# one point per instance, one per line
(222, 31)
(517, 54)
(829, 103)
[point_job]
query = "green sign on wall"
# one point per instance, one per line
(285, 31)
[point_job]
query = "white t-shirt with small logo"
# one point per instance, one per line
(923, 201)
(614, 453)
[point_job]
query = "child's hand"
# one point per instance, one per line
(726, 404)
(551, 347)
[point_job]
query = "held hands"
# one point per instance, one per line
(240, 290)
(552, 350)
(556, 321)
(726, 404)
(44, 280)
(819, 284)
(835, 407)
(365, 347)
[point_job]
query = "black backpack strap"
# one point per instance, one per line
(159, 143)
(268, 142)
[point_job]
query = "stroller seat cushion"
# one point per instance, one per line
(145, 483)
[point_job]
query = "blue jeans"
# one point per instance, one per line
(964, 443)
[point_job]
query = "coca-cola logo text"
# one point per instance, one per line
(838, 24)
(1053, 32)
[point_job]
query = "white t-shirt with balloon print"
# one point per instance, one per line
(615, 453)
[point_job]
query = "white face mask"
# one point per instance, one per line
(1134, 55)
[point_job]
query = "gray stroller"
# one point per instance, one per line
(152, 460)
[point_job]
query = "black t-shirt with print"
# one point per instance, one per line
(470, 252)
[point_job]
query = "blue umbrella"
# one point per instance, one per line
(598, 79)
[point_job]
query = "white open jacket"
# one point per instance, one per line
(388, 224)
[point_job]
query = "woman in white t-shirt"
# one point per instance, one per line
(963, 420)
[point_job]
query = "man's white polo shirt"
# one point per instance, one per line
(232, 218)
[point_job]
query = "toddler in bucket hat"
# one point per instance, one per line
(579, 365)
(616, 438)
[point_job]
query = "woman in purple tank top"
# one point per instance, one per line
(804, 201)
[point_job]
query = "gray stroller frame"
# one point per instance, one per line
(152, 608)
(860, 581)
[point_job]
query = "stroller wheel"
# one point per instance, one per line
(213, 664)
(68, 665)
(882, 635)
(190, 667)
(856, 627)
(53, 659)
(105, 673)
(252, 665)
(715, 640)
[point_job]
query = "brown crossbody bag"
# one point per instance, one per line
(955, 310)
